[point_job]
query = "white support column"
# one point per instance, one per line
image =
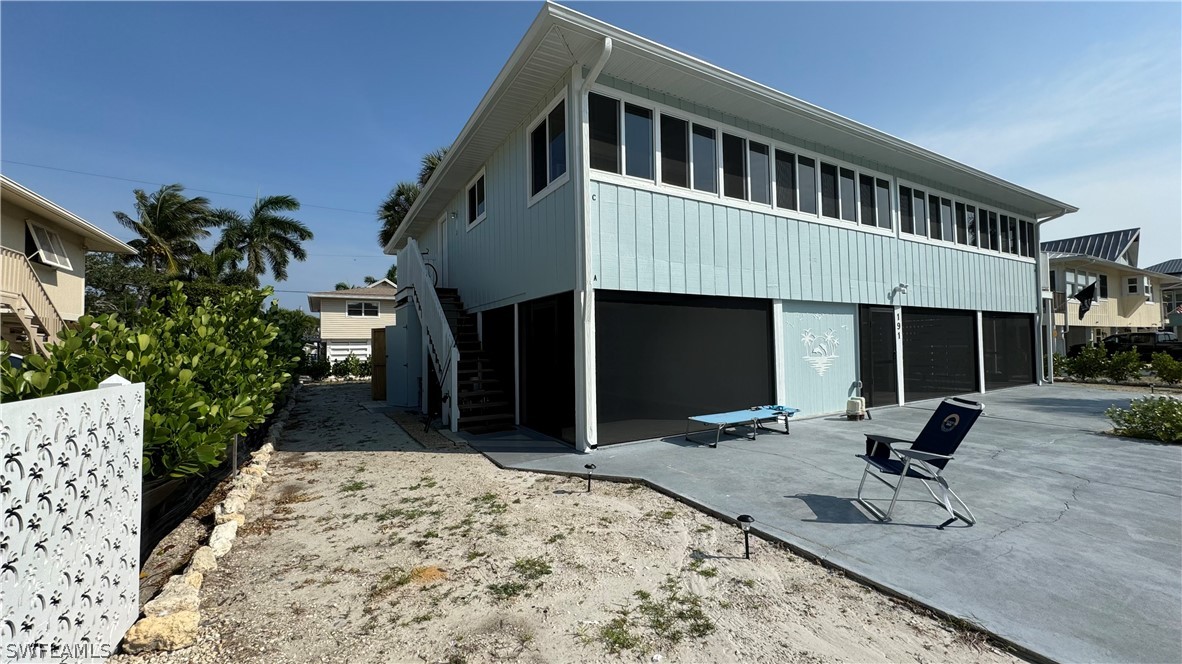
(899, 353)
(778, 351)
(454, 386)
(516, 366)
(1048, 334)
(425, 383)
(980, 354)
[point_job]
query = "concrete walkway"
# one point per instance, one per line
(1076, 556)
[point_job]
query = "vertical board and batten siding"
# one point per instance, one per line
(804, 144)
(518, 252)
(651, 241)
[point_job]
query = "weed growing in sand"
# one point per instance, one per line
(499, 529)
(531, 568)
(555, 537)
(426, 481)
(750, 583)
(664, 516)
(355, 485)
(699, 565)
(489, 503)
(656, 621)
(474, 554)
(704, 528)
(395, 577)
(505, 591)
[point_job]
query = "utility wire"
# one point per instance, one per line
(161, 184)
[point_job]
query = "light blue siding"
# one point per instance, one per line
(819, 357)
(748, 254)
(518, 252)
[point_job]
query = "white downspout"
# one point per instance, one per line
(586, 412)
(1044, 341)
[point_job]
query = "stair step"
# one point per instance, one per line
(484, 419)
(489, 428)
(476, 394)
(500, 406)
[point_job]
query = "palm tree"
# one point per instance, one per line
(342, 285)
(169, 225)
(266, 239)
(392, 274)
(220, 267)
(400, 199)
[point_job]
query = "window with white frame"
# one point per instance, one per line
(361, 309)
(476, 207)
(1139, 286)
(704, 159)
(675, 150)
(734, 167)
(47, 247)
(547, 148)
(638, 141)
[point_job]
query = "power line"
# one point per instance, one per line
(161, 184)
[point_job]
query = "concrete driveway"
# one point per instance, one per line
(1076, 555)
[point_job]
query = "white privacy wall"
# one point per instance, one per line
(70, 491)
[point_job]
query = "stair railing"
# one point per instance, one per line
(18, 277)
(442, 348)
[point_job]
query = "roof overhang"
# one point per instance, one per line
(561, 37)
(1087, 259)
(314, 298)
(97, 238)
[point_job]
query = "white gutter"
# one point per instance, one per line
(584, 237)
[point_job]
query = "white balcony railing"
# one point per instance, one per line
(441, 343)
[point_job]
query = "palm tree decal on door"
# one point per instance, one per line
(820, 351)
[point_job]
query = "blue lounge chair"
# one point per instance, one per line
(924, 460)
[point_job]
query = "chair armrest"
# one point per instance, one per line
(880, 446)
(922, 456)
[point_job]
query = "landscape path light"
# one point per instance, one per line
(745, 521)
(590, 467)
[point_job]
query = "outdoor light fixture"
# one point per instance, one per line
(590, 467)
(745, 521)
(902, 288)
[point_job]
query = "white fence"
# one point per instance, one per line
(70, 491)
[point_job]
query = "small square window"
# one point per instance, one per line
(547, 149)
(361, 309)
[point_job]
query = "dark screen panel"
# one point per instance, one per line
(828, 190)
(806, 178)
(785, 180)
(1008, 344)
(877, 349)
(939, 353)
(866, 199)
(674, 151)
(906, 222)
(661, 358)
(734, 167)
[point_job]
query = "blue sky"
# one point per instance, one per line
(335, 102)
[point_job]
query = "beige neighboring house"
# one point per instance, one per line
(1128, 298)
(43, 266)
(348, 316)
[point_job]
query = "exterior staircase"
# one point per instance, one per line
(28, 318)
(484, 404)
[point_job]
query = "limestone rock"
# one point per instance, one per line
(169, 632)
(267, 447)
(231, 505)
(173, 598)
(224, 517)
(255, 471)
(203, 561)
(222, 538)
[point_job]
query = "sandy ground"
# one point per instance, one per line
(367, 546)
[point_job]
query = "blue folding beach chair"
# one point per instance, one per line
(924, 459)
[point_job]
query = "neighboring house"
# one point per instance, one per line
(347, 318)
(1171, 295)
(625, 235)
(43, 266)
(1128, 298)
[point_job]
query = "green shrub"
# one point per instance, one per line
(350, 366)
(316, 370)
(1167, 369)
(1155, 418)
(1063, 365)
(210, 372)
(1123, 366)
(1089, 364)
(365, 367)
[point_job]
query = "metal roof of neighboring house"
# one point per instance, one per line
(561, 38)
(1086, 259)
(1172, 266)
(1108, 246)
(98, 239)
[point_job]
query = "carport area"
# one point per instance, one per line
(1076, 555)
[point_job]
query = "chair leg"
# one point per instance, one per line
(898, 488)
(873, 509)
(943, 498)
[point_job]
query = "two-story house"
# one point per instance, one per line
(1128, 298)
(625, 235)
(43, 266)
(349, 316)
(1171, 294)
